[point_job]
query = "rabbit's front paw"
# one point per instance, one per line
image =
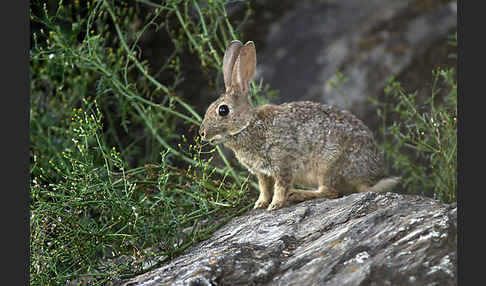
(275, 205)
(261, 203)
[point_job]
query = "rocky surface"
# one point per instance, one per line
(367, 41)
(360, 239)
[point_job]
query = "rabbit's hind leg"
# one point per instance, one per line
(296, 195)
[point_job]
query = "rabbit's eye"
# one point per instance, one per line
(223, 110)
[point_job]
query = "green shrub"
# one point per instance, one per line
(100, 211)
(119, 181)
(421, 142)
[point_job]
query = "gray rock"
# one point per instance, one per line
(360, 239)
(367, 41)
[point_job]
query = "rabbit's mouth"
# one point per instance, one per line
(217, 139)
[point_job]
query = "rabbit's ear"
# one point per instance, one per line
(244, 68)
(230, 55)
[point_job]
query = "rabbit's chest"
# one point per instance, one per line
(255, 163)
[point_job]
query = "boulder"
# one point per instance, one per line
(360, 239)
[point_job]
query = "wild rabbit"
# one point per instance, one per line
(305, 143)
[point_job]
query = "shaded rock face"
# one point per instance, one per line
(360, 239)
(367, 41)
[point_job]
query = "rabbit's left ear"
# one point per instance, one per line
(229, 59)
(245, 67)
